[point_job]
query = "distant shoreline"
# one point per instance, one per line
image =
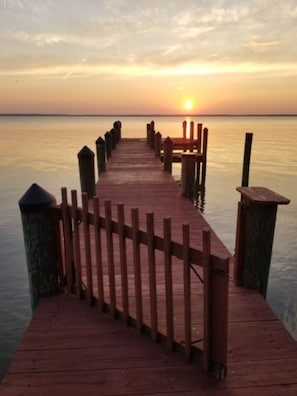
(141, 115)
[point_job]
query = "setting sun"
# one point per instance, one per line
(188, 105)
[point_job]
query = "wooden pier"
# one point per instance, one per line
(81, 347)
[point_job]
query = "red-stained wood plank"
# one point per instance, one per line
(72, 348)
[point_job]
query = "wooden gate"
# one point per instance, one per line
(175, 293)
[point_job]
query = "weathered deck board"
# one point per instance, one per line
(71, 348)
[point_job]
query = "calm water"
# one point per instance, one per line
(44, 150)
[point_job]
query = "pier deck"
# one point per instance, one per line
(71, 348)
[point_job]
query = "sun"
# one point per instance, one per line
(188, 105)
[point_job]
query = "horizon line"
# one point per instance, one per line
(147, 115)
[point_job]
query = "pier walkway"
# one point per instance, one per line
(72, 348)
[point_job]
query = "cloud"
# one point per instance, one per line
(119, 36)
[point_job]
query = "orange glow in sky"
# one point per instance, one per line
(109, 58)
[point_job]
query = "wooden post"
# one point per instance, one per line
(113, 138)
(246, 159)
(215, 285)
(191, 130)
(108, 144)
(118, 128)
(86, 171)
(148, 133)
(100, 149)
(152, 135)
(185, 130)
(40, 228)
(167, 156)
(188, 175)
(158, 137)
(258, 208)
(199, 140)
(204, 150)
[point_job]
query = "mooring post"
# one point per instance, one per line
(157, 144)
(40, 228)
(254, 239)
(188, 175)
(246, 159)
(204, 151)
(191, 130)
(148, 133)
(113, 138)
(167, 156)
(118, 128)
(86, 171)
(152, 135)
(184, 129)
(100, 149)
(108, 144)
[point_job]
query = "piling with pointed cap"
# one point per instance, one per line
(86, 171)
(100, 149)
(40, 229)
(108, 144)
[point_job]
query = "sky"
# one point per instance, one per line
(148, 57)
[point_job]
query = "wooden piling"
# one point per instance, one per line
(108, 144)
(86, 171)
(199, 141)
(168, 149)
(157, 145)
(188, 175)
(40, 228)
(118, 128)
(113, 138)
(100, 149)
(246, 159)
(258, 208)
(185, 130)
(204, 151)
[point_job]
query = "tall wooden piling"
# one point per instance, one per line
(40, 228)
(246, 159)
(108, 144)
(86, 171)
(157, 145)
(188, 175)
(100, 149)
(204, 151)
(168, 149)
(254, 239)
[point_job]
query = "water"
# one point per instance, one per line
(44, 150)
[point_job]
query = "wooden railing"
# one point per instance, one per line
(169, 290)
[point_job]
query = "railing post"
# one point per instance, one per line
(40, 228)
(100, 148)
(254, 239)
(86, 171)
(108, 144)
(215, 284)
(188, 175)
(157, 144)
(167, 157)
